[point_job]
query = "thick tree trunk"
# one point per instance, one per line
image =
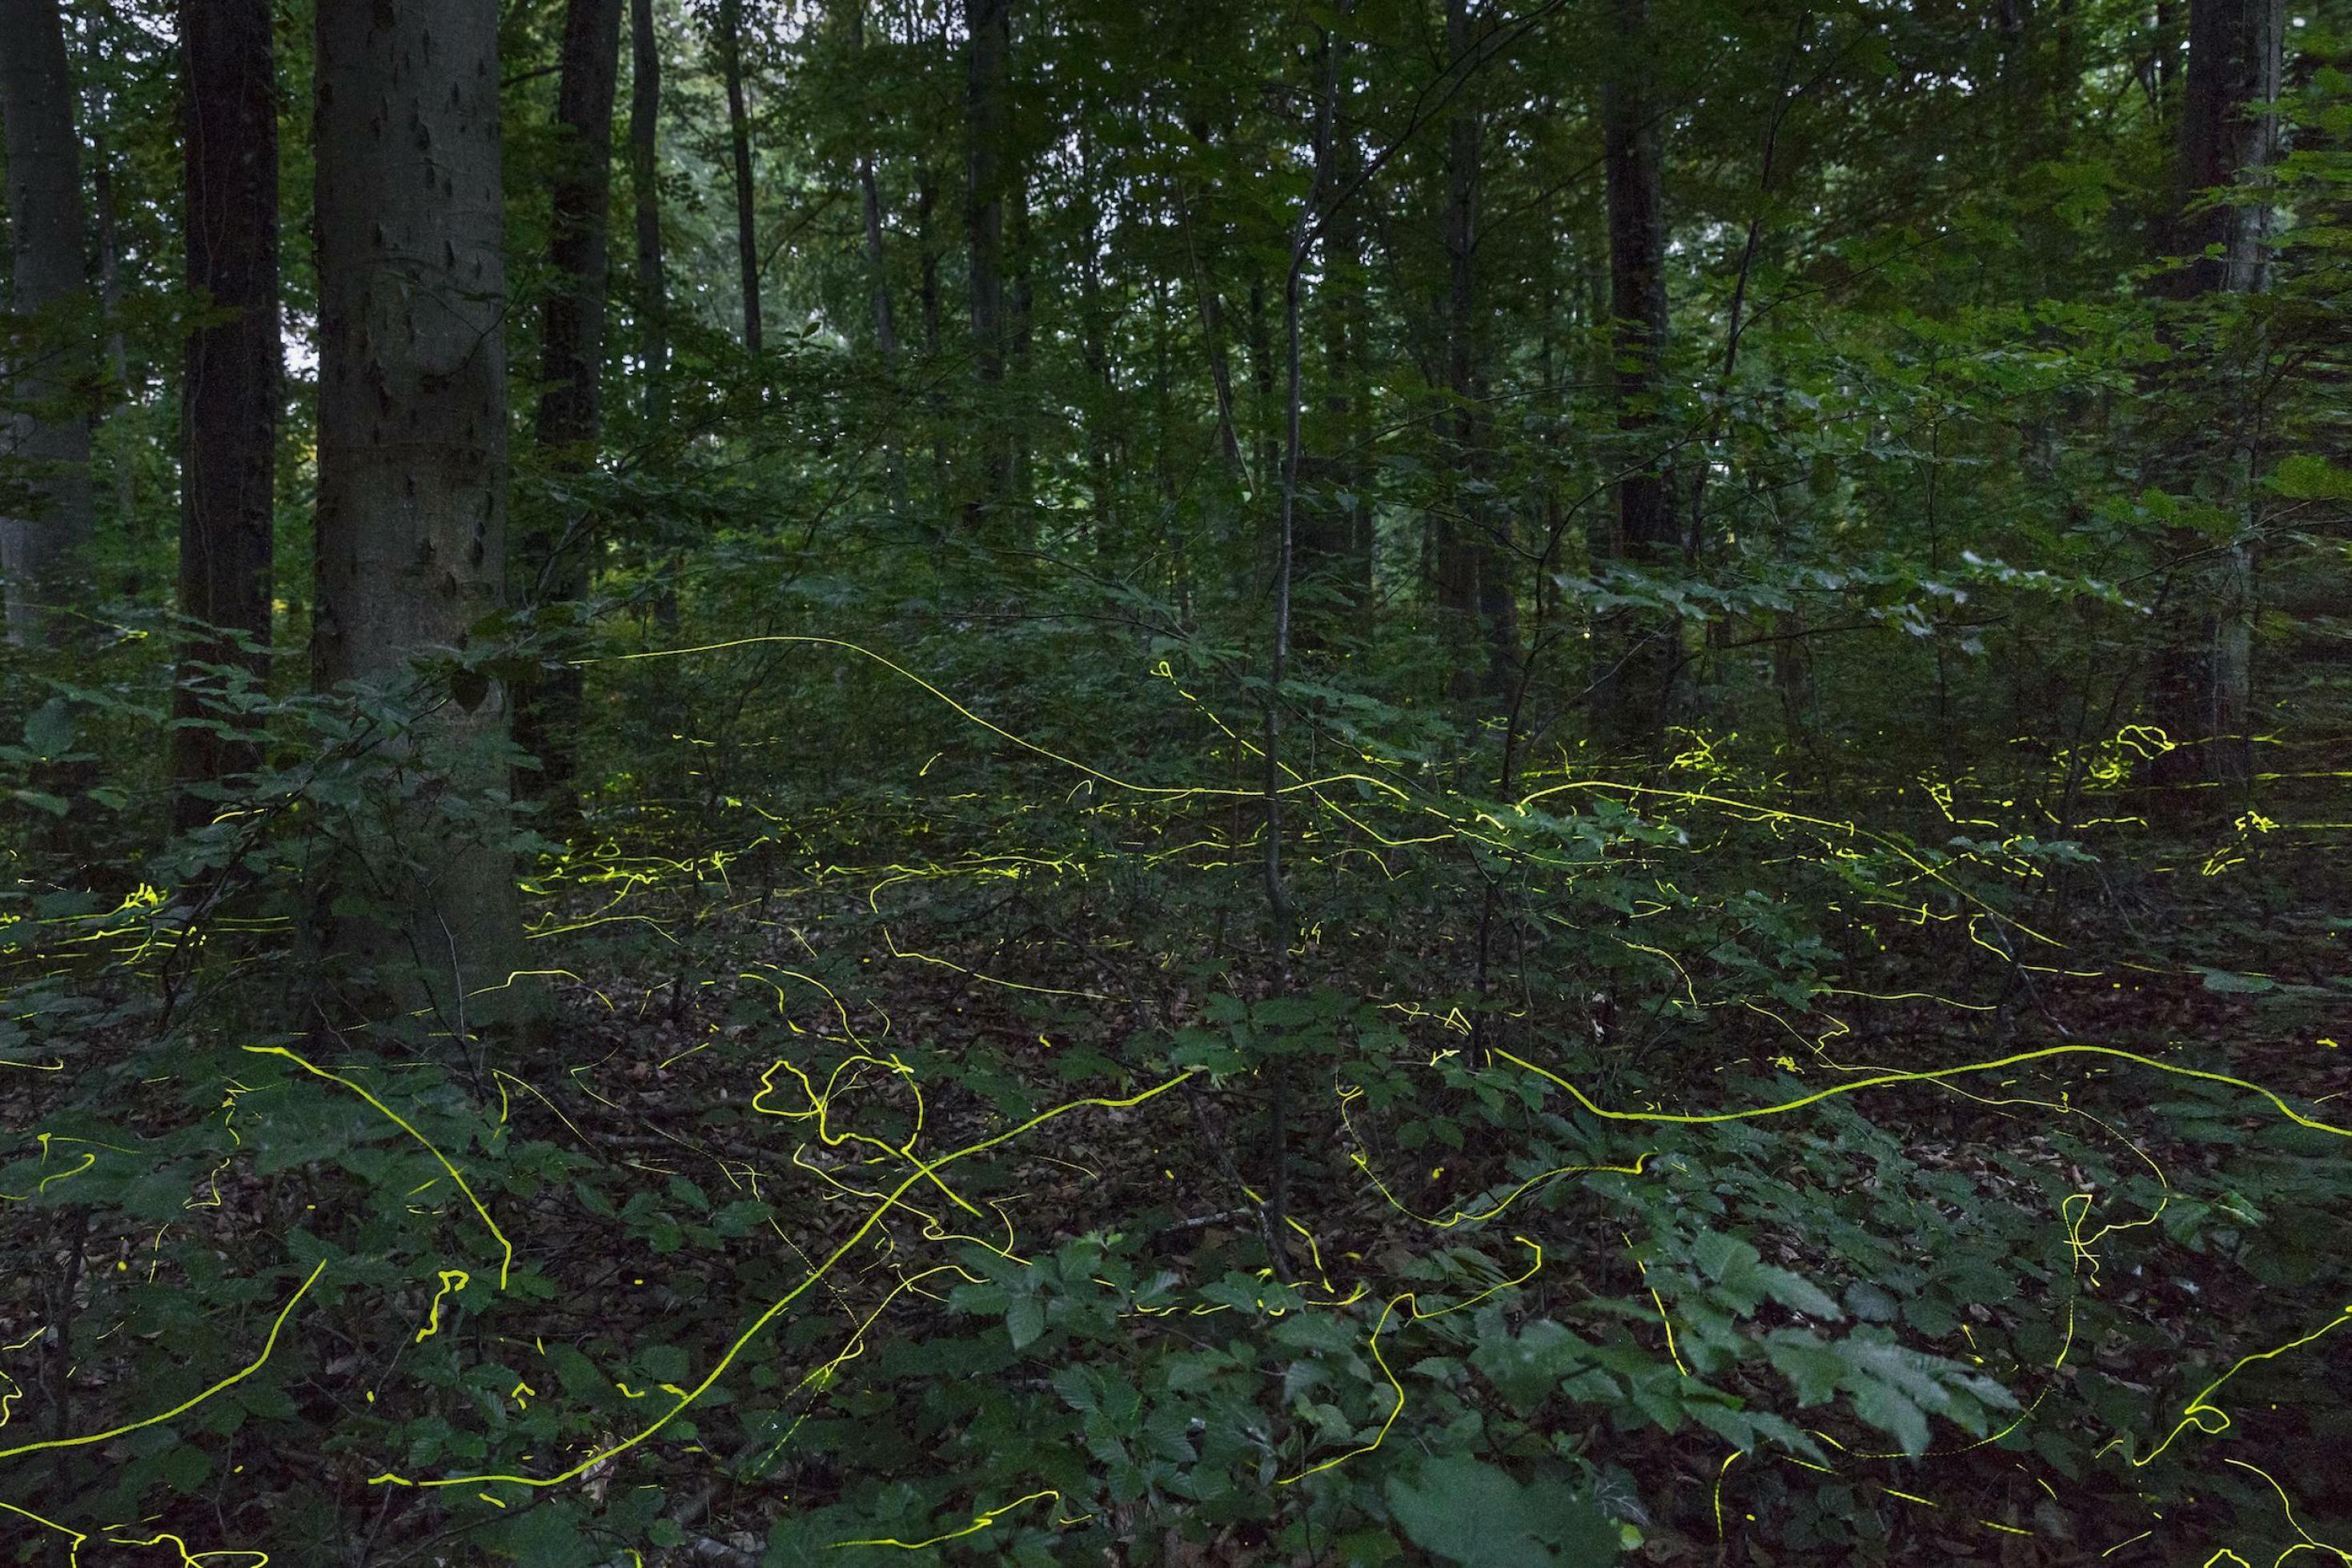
(229, 405)
(413, 471)
(739, 137)
(45, 528)
(2234, 54)
(557, 556)
(1632, 692)
(2201, 688)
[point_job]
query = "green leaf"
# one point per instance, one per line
(1367, 1548)
(1811, 1367)
(1471, 1513)
(1801, 1294)
(1724, 1257)
(664, 1362)
(49, 729)
(2305, 477)
(2223, 981)
(1025, 1320)
(546, 1536)
(41, 800)
(1871, 1303)
(1527, 1369)
(1884, 1406)
(186, 1468)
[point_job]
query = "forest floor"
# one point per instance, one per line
(659, 1070)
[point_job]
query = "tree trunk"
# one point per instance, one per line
(927, 197)
(988, 41)
(2166, 66)
(652, 285)
(869, 190)
(1632, 692)
(988, 33)
(2202, 687)
(558, 555)
(118, 355)
(44, 536)
(2234, 54)
(412, 515)
(1333, 547)
(1476, 596)
(1102, 419)
(739, 135)
(645, 187)
(229, 406)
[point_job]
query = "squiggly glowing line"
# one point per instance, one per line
(980, 1521)
(775, 1309)
(1930, 1076)
(506, 1248)
(1410, 1301)
(2197, 1411)
(182, 1409)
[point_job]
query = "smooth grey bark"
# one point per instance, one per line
(412, 510)
(44, 544)
(738, 139)
(556, 555)
(230, 400)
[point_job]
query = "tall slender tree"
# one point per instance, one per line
(556, 555)
(230, 397)
(988, 47)
(1334, 544)
(645, 191)
(1633, 691)
(45, 506)
(739, 143)
(412, 509)
(1474, 583)
(869, 194)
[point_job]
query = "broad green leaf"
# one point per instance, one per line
(1025, 1320)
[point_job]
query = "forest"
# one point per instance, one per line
(1335, 782)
